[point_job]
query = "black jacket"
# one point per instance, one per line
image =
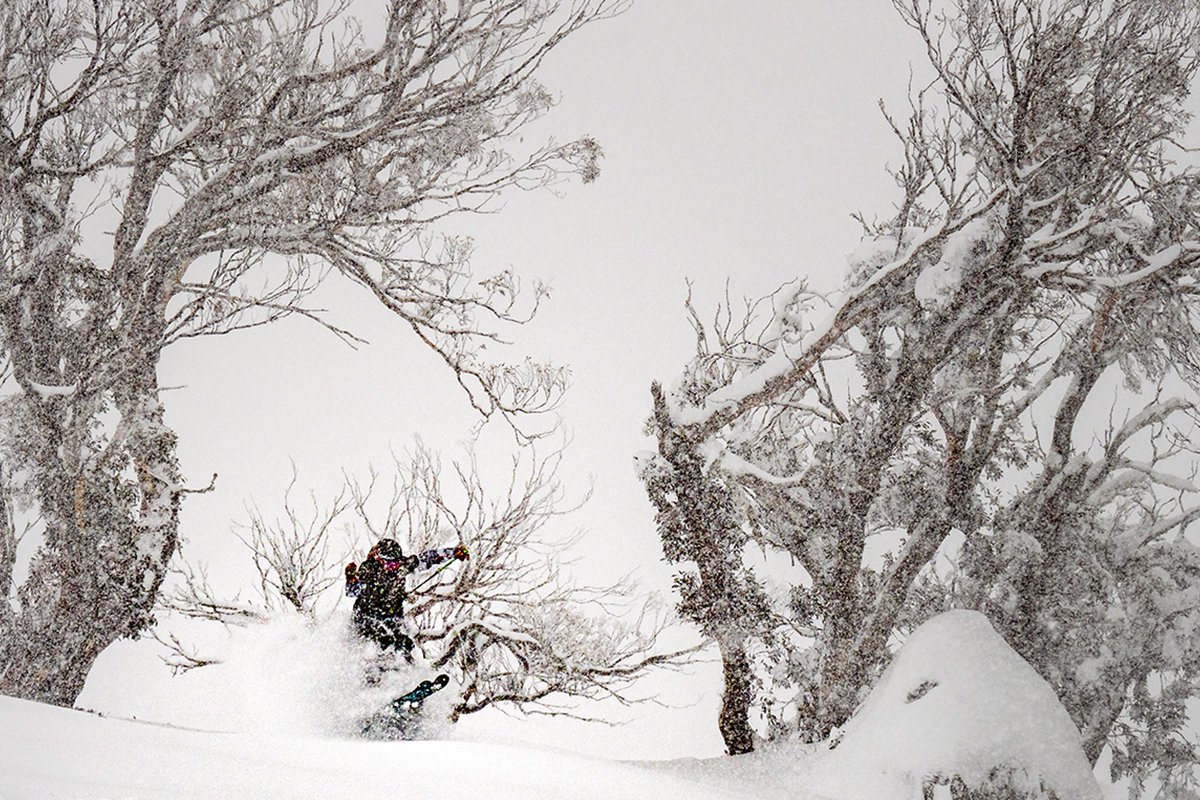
(379, 592)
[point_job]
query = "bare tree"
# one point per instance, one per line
(292, 554)
(1044, 240)
(175, 170)
(511, 626)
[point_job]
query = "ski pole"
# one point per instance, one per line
(418, 587)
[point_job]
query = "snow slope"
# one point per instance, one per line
(48, 752)
(956, 700)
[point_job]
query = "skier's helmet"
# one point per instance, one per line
(388, 550)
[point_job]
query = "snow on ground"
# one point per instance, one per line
(275, 720)
(48, 752)
(290, 676)
(956, 700)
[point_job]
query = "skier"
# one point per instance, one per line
(379, 591)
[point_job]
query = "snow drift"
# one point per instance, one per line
(956, 701)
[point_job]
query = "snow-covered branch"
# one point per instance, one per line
(175, 170)
(508, 622)
(1042, 253)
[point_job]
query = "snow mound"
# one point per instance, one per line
(956, 701)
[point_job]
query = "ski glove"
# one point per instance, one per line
(460, 552)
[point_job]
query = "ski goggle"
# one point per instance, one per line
(391, 565)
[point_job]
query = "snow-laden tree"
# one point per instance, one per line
(1015, 351)
(180, 169)
(508, 623)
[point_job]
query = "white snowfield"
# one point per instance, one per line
(956, 701)
(51, 753)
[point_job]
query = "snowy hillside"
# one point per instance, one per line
(52, 752)
(956, 701)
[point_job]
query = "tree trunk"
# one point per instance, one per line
(734, 721)
(50, 654)
(8, 559)
(838, 688)
(712, 538)
(108, 539)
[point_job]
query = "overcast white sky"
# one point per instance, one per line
(738, 139)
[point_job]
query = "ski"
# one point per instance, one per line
(403, 718)
(412, 700)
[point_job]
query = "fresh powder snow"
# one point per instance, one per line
(49, 752)
(955, 701)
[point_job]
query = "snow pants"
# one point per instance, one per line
(387, 632)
